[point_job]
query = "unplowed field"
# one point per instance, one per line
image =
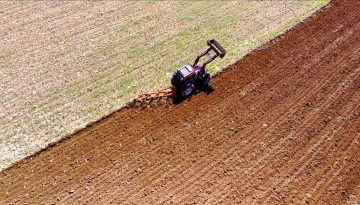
(281, 127)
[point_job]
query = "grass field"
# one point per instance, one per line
(65, 64)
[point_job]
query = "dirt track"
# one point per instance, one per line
(281, 127)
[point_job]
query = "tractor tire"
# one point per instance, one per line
(203, 83)
(187, 91)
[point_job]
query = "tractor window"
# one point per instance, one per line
(187, 70)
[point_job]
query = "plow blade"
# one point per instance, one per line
(150, 98)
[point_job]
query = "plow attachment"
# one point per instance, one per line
(150, 98)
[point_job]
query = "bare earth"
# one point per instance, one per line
(65, 64)
(281, 127)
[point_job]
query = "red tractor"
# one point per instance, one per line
(186, 80)
(190, 78)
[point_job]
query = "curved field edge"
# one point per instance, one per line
(92, 68)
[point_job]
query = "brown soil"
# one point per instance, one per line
(281, 127)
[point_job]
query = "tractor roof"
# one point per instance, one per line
(186, 71)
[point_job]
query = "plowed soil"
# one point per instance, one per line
(281, 127)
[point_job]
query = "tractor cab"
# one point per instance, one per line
(183, 75)
(182, 81)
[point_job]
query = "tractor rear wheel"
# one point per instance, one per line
(203, 82)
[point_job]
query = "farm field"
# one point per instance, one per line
(282, 126)
(65, 64)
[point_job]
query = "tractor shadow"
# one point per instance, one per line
(208, 90)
